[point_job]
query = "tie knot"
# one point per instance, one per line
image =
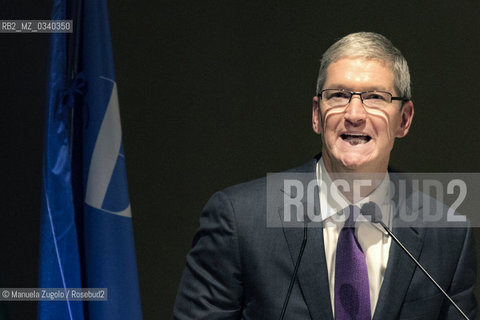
(351, 215)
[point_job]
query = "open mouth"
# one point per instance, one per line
(355, 139)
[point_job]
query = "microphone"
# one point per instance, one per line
(372, 210)
(295, 270)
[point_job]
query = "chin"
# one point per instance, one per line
(355, 162)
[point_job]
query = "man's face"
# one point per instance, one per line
(356, 138)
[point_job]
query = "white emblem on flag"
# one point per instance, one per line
(105, 155)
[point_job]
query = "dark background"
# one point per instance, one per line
(213, 93)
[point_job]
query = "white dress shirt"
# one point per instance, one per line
(373, 240)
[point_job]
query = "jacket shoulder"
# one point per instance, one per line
(258, 187)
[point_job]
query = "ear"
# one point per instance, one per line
(316, 116)
(406, 119)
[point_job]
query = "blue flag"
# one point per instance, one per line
(109, 248)
(105, 248)
(59, 253)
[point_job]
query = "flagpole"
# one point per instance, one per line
(76, 112)
(76, 131)
(77, 31)
(74, 43)
(75, 13)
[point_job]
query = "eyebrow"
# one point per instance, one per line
(369, 88)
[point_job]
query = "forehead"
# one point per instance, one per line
(359, 74)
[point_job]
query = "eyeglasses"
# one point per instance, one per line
(335, 98)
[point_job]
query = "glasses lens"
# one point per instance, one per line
(336, 98)
(376, 99)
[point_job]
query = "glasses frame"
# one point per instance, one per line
(353, 93)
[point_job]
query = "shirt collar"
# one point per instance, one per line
(333, 201)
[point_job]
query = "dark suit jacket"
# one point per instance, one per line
(240, 269)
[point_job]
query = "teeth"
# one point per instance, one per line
(355, 134)
(355, 139)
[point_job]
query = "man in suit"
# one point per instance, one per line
(244, 253)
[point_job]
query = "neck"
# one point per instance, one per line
(355, 184)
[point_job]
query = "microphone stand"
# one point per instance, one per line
(297, 265)
(421, 268)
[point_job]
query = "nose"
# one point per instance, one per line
(355, 112)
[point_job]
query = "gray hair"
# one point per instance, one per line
(368, 45)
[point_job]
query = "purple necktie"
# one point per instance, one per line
(352, 294)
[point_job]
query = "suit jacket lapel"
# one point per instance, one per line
(400, 268)
(312, 275)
